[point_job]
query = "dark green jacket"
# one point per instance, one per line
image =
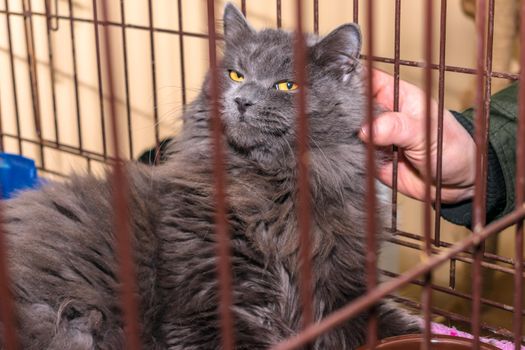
(501, 158)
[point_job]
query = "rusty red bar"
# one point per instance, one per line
(2, 146)
(51, 69)
(304, 205)
(356, 11)
(449, 290)
(371, 205)
(13, 75)
(7, 309)
(441, 109)
(520, 197)
(316, 16)
(395, 151)
(452, 274)
(243, 8)
(100, 82)
(181, 51)
(119, 182)
(126, 76)
(279, 14)
(75, 72)
(426, 297)
(365, 301)
(33, 75)
(480, 139)
(154, 85)
(219, 175)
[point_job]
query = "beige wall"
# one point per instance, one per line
(460, 52)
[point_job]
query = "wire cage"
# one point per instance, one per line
(88, 83)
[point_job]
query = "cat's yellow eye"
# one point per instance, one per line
(236, 76)
(286, 86)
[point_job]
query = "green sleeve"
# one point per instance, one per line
(502, 137)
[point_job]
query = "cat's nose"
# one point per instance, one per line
(243, 104)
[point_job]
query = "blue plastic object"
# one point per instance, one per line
(16, 173)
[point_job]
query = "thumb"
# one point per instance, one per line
(393, 128)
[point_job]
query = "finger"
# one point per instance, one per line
(382, 88)
(394, 128)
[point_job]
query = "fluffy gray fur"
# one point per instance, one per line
(61, 244)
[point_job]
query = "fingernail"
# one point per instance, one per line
(364, 130)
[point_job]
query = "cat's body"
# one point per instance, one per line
(61, 246)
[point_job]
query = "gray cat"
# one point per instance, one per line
(61, 244)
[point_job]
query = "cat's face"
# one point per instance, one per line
(259, 91)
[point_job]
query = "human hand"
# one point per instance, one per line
(405, 129)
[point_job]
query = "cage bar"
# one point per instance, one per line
(316, 16)
(13, 76)
(51, 63)
(303, 163)
(100, 82)
(243, 8)
(440, 111)
(33, 76)
(219, 175)
(480, 138)
(395, 151)
(356, 11)
(279, 14)
(154, 85)
(126, 76)
(75, 72)
(7, 309)
(122, 228)
(371, 205)
(181, 52)
(520, 196)
(427, 220)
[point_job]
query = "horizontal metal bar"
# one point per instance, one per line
(111, 23)
(492, 331)
(446, 244)
(464, 259)
(448, 290)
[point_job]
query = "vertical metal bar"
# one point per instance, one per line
(13, 77)
(154, 83)
(356, 11)
(452, 275)
(279, 14)
(481, 168)
(100, 82)
(126, 76)
(75, 74)
(53, 27)
(33, 74)
(243, 7)
(2, 146)
(371, 228)
(395, 159)
(520, 197)
(427, 223)
(304, 211)
(441, 109)
(316, 16)
(181, 51)
(219, 175)
(119, 184)
(51, 69)
(7, 310)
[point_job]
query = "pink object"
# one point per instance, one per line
(438, 328)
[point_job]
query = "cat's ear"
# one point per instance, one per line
(339, 50)
(235, 25)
